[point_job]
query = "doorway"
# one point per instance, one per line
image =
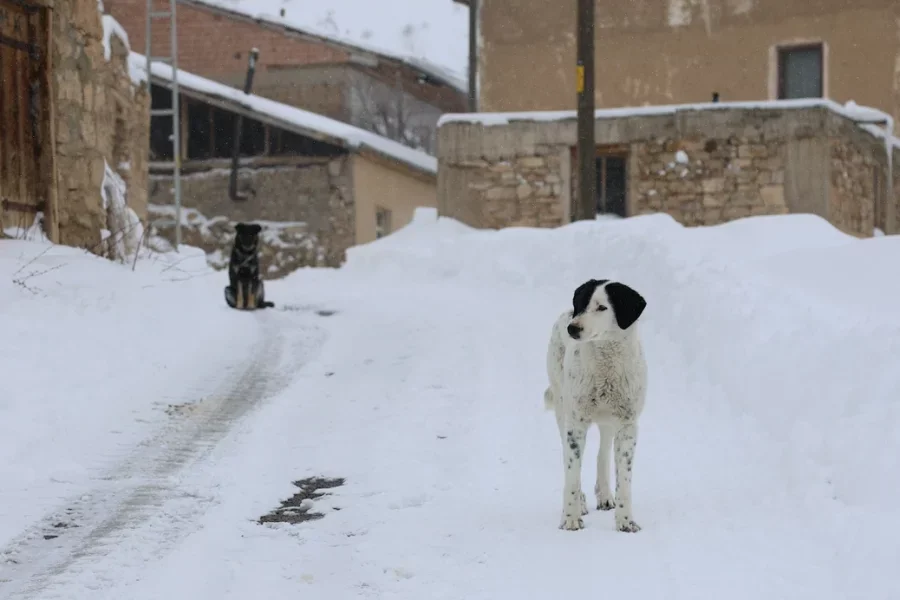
(612, 182)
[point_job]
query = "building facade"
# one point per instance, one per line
(383, 94)
(316, 185)
(69, 108)
(701, 164)
(687, 51)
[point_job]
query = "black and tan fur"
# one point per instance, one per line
(245, 290)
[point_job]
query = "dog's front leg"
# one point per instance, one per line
(573, 498)
(626, 440)
(604, 456)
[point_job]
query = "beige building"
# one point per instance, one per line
(318, 186)
(68, 108)
(702, 164)
(684, 51)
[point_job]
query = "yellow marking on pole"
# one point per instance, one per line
(579, 79)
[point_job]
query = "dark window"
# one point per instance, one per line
(800, 72)
(611, 185)
(199, 143)
(160, 126)
(283, 142)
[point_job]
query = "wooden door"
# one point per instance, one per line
(21, 107)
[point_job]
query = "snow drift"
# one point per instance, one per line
(783, 321)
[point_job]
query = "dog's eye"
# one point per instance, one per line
(601, 308)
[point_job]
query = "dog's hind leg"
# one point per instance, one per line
(626, 440)
(604, 496)
(573, 497)
(261, 297)
(230, 300)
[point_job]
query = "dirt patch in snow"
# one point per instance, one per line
(298, 508)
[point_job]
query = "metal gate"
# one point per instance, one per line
(23, 43)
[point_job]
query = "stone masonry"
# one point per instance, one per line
(517, 191)
(101, 114)
(702, 167)
(705, 182)
(314, 192)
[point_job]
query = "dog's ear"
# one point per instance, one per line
(240, 228)
(627, 304)
(254, 228)
(582, 296)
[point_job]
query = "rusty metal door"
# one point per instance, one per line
(20, 112)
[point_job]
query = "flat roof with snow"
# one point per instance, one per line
(854, 112)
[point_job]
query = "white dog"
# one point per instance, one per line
(598, 374)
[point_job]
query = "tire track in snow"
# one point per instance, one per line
(143, 496)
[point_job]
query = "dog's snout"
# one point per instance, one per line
(574, 331)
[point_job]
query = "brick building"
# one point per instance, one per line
(394, 96)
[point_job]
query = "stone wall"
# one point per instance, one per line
(705, 182)
(852, 187)
(317, 192)
(522, 191)
(702, 167)
(101, 114)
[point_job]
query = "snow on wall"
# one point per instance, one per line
(429, 34)
(124, 229)
(353, 137)
(111, 27)
(869, 119)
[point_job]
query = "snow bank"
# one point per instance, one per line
(92, 353)
(781, 320)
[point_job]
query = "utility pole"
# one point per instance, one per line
(586, 208)
(473, 55)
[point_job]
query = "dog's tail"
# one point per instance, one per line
(266, 304)
(549, 399)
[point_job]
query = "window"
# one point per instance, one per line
(161, 146)
(611, 184)
(800, 72)
(382, 222)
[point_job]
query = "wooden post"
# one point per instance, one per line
(473, 55)
(49, 170)
(584, 79)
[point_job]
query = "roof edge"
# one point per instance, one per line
(422, 66)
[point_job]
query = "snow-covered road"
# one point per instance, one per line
(763, 468)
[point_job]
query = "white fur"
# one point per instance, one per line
(600, 378)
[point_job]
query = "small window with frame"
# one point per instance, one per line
(382, 222)
(801, 71)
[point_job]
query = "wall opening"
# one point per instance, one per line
(611, 166)
(382, 222)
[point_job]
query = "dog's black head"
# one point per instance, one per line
(600, 308)
(246, 236)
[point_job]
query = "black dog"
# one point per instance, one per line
(245, 290)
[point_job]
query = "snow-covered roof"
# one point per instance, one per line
(428, 35)
(290, 118)
(851, 110)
